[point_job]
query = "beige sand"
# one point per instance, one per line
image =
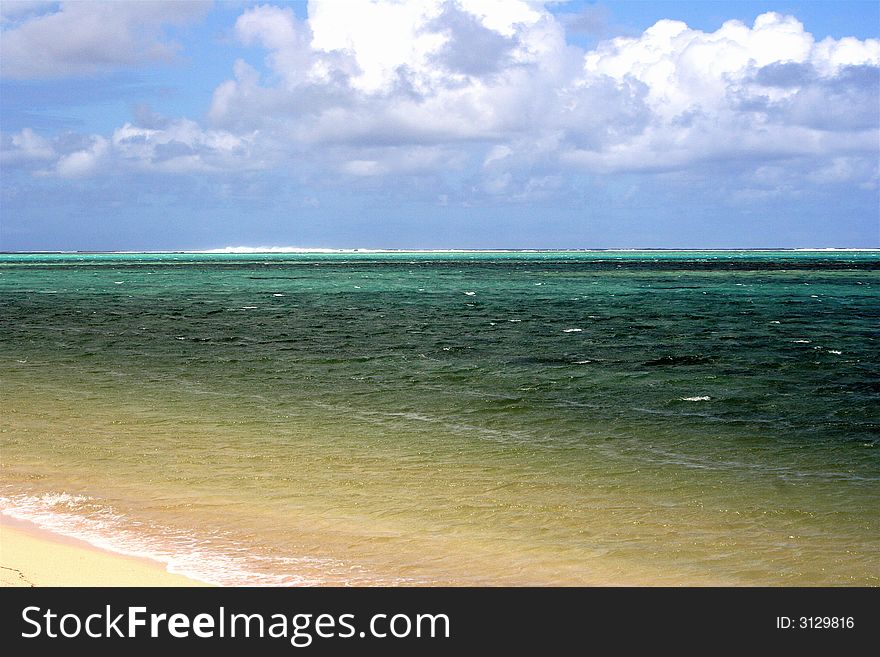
(30, 556)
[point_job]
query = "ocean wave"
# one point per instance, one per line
(87, 519)
(277, 249)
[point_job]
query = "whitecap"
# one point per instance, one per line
(276, 249)
(88, 520)
(802, 341)
(118, 282)
(835, 351)
(696, 399)
(470, 294)
(277, 295)
(572, 330)
(248, 307)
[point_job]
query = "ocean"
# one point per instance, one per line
(451, 418)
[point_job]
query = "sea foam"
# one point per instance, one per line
(87, 519)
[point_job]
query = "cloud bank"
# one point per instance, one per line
(53, 40)
(490, 91)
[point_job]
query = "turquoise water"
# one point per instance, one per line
(451, 418)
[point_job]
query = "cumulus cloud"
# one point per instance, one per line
(49, 40)
(798, 94)
(766, 90)
(502, 74)
(387, 88)
(182, 146)
(83, 162)
(25, 146)
(337, 60)
(454, 73)
(470, 47)
(163, 146)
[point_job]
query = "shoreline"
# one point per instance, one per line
(31, 556)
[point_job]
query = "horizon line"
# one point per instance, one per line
(246, 250)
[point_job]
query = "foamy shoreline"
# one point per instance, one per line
(33, 556)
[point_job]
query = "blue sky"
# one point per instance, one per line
(439, 124)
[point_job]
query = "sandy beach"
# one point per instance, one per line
(30, 556)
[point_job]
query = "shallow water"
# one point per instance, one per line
(440, 418)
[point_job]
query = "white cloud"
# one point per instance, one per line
(453, 73)
(844, 169)
(707, 99)
(47, 40)
(364, 168)
(670, 98)
(496, 154)
(390, 88)
(407, 160)
(379, 35)
(25, 146)
(85, 161)
(183, 146)
(179, 146)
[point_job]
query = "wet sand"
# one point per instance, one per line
(30, 556)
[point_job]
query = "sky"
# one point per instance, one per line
(439, 124)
